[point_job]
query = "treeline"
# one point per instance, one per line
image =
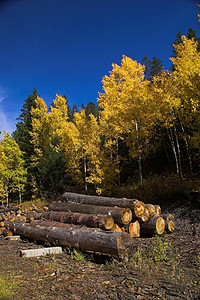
(147, 121)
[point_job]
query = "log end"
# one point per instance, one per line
(139, 208)
(160, 225)
(126, 216)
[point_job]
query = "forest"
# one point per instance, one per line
(141, 140)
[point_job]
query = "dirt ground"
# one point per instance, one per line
(166, 267)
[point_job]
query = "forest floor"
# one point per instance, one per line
(166, 267)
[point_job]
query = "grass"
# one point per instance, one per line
(8, 287)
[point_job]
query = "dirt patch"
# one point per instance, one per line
(166, 267)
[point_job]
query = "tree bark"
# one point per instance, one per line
(120, 215)
(155, 225)
(118, 244)
(89, 220)
(137, 207)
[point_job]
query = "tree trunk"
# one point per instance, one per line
(155, 225)
(187, 148)
(139, 153)
(120, 215)
(89, 220)
(137, 207)
(118, 244)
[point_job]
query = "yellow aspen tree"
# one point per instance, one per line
(187, 81)
(90, 152)
(40, 128)
(126, 108)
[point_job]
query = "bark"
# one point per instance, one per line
(120, 215)
(155, 225)
(137, 207)
(89, 220)
(118, 244)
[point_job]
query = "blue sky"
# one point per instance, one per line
(66, 47)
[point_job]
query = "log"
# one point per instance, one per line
(137, 207)
(34, 216)
(134, 229)
(155, 225)
(120, 215)
(118, 244)
(40, 251)
(157, 211)
(2, 224)
(169, 222)
(89, 220)
(117, 228)
(151, 209)
(144, 217)
(8, 209)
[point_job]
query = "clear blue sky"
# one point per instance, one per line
(66, 47)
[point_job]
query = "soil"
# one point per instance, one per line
(166, 267)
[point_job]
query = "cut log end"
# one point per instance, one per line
(139, 208)
(134, 229)
(108, 222)
(126, 216)
(160, 225)
(170, 226)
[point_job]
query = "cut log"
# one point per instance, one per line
(34, 216)
(155, 225)
(2, 224)
(90, 220)
(118, 244)
(8, 209)
(157, 211)
(40, 252)
(137, 207)
(169, 222)
(134, 229)
(120, 215)
(117, 228)
(144, 217)
(151, 209)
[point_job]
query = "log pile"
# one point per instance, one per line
(91, 223)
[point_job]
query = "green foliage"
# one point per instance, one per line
(80, 256)
(8, 287)
(12, 170)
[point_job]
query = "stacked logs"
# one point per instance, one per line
(94, 223)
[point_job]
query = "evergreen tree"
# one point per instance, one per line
(152, 67)
(23, 138)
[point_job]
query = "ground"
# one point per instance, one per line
(166, 267)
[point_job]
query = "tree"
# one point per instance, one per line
(13, 172)
(127, 109)
(23, 138)
(152, 67)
